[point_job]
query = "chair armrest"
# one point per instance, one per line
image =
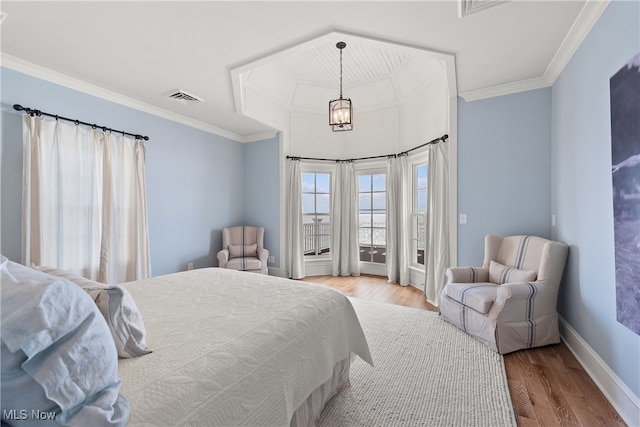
(263, 254)
(223, 258)
(467, 274)
(520, 299)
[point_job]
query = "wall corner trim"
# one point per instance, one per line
(615, 390)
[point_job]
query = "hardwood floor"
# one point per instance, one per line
(548, 386)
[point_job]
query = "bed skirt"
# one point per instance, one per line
(308, 412)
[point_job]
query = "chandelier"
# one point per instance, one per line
(340, 109)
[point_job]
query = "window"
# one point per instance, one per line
(372, 217)
(419, 213)
(316, 213)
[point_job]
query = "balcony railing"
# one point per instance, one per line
(317, 240)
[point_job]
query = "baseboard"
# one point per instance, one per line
(614, 389)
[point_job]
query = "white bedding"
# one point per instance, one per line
(234, 348)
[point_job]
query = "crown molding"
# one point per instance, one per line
(259, 136)
(584, 22)
(43, 73)
(587, 18)
(505, 89)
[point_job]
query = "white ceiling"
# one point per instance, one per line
(137, 53)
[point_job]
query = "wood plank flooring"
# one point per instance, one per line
(548, 386)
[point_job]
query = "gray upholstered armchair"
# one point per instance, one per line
(510, 302)
(242, 249)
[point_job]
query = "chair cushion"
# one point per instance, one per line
(500, 274)
(478, 296)
(244, 264)
(243, 251)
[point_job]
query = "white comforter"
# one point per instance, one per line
(234, 348)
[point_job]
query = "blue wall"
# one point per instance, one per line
(503, 169)
(581, 188)
(195, 179)
(262, 191)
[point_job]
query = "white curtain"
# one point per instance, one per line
(295, 233)
(84, 201)
(437, 253)
(397, 221)
(344, 222)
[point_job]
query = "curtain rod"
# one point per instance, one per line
(443, 138)
(32, 112)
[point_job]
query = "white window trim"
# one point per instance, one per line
(319, 264)
(372, 168)
(416, 160)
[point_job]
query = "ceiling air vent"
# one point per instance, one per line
(184, 97)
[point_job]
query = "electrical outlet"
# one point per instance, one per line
(190, 266)
(271, 259)
(463, 218)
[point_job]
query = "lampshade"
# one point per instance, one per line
(340, 110)
(340, 114)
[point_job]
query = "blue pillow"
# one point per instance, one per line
(58, 358)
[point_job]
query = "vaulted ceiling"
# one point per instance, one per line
(137, 53)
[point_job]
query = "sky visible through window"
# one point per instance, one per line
(315, 194)
(421, 188)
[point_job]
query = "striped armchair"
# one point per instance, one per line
(510, 302)
(242, 249)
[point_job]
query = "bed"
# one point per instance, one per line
(235, 348)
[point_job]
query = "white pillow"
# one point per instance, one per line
(119, 310)
(57, 352)
(240, 251)
(500, 274)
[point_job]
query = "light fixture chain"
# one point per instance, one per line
(340, 73)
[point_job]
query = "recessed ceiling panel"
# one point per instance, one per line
(312, 97)
(417, 73)
(377, 94)
(361, 62)
(272, 82)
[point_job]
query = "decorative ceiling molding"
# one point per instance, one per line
(100, 92)
(259, 136)
(466, 7)
(584, 22)
(303, 72)
(505, 89)
(581, 27)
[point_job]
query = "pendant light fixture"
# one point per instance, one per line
(340, 109)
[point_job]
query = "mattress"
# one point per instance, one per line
(234, 348)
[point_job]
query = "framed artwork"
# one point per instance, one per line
(625, 170)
